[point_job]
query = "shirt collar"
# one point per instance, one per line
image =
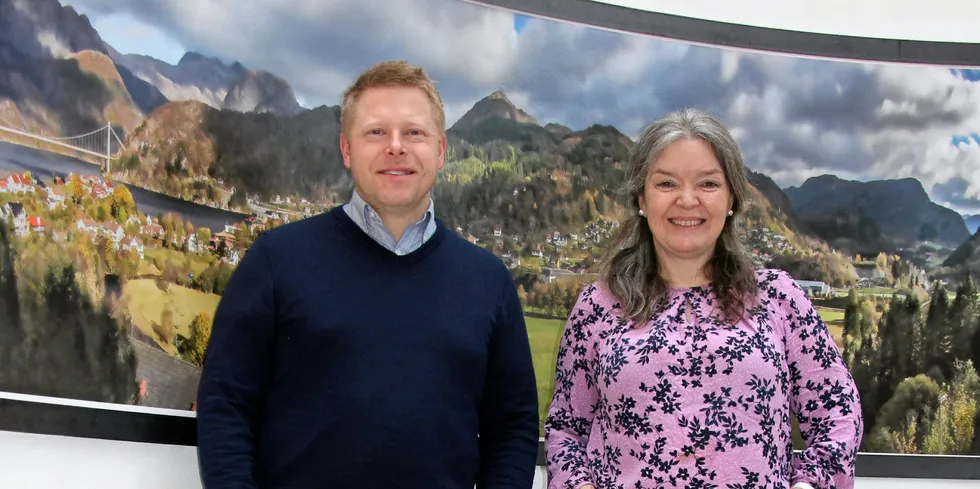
(364, 210)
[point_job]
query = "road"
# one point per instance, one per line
(48, 165)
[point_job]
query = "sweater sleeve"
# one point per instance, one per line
(823, 395)
(573, 405)
(509, 410)
(235, 372)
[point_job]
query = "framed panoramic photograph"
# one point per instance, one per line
(144, 146)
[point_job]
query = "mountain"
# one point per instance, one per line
(779, 202)
(35, 34)
(186, 148)
(967, 253)
(261, 91)
(44, 30)
(206, 79)
(63, 96)
(194, 77)
(493, 106)
(495, 118)
(874, 216)
(965, 259)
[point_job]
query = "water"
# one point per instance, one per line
(48, 165)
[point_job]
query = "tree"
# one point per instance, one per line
(953, 428)
(77, 190)
(121, 203)
(962, 320)
(197, 345)
(937, 338)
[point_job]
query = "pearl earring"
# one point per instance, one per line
(730, 212)
(641, 212)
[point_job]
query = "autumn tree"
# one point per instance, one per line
(196, 346)
(77, 190)
(121, 203)
(953, 428)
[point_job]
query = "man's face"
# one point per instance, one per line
(394, 149)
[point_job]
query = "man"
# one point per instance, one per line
(370, 346)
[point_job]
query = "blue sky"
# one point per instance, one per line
(520, 22)
(130, 36)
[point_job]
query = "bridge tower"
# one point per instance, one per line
(108, 148)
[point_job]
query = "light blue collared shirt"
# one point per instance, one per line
(368, 220)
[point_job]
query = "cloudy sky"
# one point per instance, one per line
(795, 118)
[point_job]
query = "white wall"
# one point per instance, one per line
(58, 462)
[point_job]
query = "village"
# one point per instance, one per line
(89, 215)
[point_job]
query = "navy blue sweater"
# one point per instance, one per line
(334, 363)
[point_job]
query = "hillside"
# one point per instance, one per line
(261, 91)
(184, 148)
(965, 258)
(46, 30)
(61, 96)
(868, 217)
(120, 110)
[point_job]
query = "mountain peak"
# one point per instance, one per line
(498, 95)
(195, 57)
(493, 106)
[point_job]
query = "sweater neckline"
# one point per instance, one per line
(353, 231)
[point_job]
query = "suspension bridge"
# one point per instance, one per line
(101, 144)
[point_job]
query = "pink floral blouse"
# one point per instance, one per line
(687, 401)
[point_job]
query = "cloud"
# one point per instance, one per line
(320, 46)
(794, 117)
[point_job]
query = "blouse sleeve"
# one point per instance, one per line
(572, 408)
(823, 396)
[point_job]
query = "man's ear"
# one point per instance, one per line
(345, 149)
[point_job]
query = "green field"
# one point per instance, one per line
(544, 335)
(835, 323)
(146, 303)
(177, 259)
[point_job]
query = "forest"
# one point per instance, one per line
(915, 363)
(57, 337)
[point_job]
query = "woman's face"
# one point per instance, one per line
(686, 201)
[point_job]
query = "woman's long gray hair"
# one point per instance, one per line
(630, 267)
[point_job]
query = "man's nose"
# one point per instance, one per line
(395, 146)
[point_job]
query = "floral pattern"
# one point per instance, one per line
(687, 400)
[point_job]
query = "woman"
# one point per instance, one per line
(681, 365)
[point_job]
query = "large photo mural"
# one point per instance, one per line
(145, 145)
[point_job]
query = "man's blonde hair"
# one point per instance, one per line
(389, 74)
